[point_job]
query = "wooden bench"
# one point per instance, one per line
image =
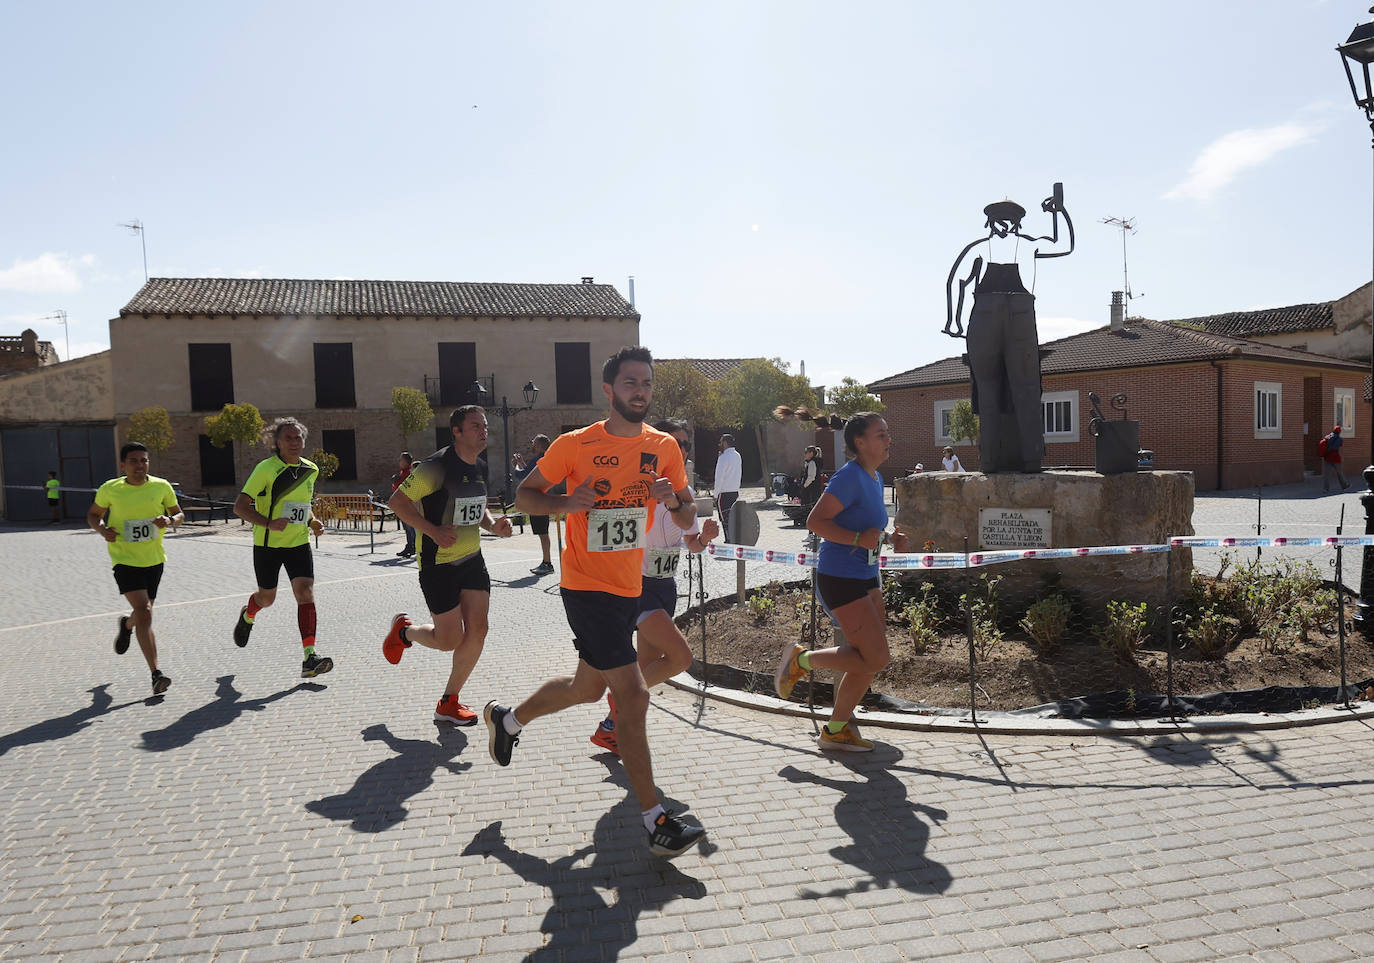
(199, 505)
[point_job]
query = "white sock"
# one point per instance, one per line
(651, 816)
(512, 724)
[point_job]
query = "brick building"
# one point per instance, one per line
(329, 353)
(1236, 412)
(25, 352)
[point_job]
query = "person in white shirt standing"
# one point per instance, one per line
(951, 460)
(728, 470)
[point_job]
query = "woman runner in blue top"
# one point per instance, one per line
(851, 520)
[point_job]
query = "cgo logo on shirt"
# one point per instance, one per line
(606, 460)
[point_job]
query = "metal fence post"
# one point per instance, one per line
(968, 616)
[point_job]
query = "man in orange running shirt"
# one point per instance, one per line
(614, 469)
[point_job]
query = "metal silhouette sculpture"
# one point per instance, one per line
(1003, 347)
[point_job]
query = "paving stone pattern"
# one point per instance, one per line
(250, 815)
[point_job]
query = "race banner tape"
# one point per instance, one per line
(752, 553)
(1276, 541)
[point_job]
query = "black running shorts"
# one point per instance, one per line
(836, 590)
(657, 595)
(131, 578)
(443, 585)
(603, 627)
(268, 563)
(539, 524)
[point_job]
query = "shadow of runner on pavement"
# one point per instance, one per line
(227, 707)
(60, 727)
(889, 837)
(597, 904)
(376, 801)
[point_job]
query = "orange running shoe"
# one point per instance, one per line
(393, 646)
(789, 671)
(604, 738)
(451, 710)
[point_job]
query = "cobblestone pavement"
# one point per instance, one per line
(249, 815)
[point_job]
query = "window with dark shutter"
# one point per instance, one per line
(216, 464)
(457, 372)
(339, 442)
(212, 376)
(573, 372)
(334, 376)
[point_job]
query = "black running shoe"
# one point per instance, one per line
(123, 635)
(671, 837)
(316, 665)
(241, 628)
(499, 741)
(161, 683)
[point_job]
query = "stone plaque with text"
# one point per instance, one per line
(1014, 527)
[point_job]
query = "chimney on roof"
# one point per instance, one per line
(587, 280)
(1118, 310)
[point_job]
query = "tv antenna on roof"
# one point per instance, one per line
(1126, 226)
(136, 227)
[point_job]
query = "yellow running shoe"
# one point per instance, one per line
(789, 671)
(846, 740)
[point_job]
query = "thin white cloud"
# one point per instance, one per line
(1228, 155)
(49, 273)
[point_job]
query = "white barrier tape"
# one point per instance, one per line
(752, 553)
(1277, 541)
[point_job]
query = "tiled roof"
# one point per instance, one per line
(1139, 343)
(715, 369)
(1245, 324)
(372, 299)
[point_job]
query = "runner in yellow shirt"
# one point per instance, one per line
(276, 501)
(615, 471)
(130, 513)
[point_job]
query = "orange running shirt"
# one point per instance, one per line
(605, 545)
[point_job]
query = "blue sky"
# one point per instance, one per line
(786, 179)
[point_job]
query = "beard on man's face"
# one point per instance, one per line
(624, 410)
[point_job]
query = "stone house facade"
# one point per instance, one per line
(330, 352)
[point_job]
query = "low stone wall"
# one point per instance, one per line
(1137, 508)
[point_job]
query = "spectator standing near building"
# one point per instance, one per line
(728, 471)
(276, 500)
(811, 476)
(1330, 450)
(405, 465)
(539, 524)
(951, 461)
(130, 513)
(53, 489)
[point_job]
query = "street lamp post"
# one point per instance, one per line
(1357, 54)
(531, 393)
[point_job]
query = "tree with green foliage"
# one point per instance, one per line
(753, 389)
(850, 397)
(681, 391)
(242, 423)
(152, 427)
(413, 410)
(963, 423)
(327, 464)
